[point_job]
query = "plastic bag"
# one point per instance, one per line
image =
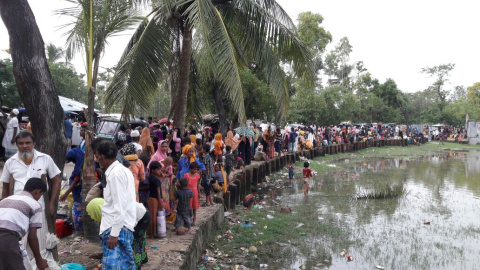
(51, 243)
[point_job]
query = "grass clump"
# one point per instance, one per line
(387, 192)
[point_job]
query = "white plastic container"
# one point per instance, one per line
(161, 226)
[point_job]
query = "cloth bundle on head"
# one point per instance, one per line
(231, 141)
(15, 111)
(128, 149)
(185, 150)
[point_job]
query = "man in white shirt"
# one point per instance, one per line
(118, 212)
(10, 132)
(25, 164)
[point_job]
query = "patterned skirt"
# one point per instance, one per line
(139, 241)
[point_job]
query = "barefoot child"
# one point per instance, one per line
(307, 173)
(194, 185)
(291, 168)
(154, 201)
(182, 206)
(250, 199)
(207, 174)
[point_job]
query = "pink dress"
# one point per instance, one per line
(193, 186)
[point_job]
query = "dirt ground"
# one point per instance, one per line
(166, 253)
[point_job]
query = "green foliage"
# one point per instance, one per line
(258, 97)
(474, 93)
(67, 82)
(8, 90)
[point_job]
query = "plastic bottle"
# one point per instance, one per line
(161, 226)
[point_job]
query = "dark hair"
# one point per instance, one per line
(198, 141)
(24, 134)
(186, 140)
(123, 128)
(206, 147)
(194, 165)
(306, 164)
(108, 149)
(35, 183)
(228, 148)
(183, 183)
(253, 190)
(95, 143)
(155, 165)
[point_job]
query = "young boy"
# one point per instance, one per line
(250, 199)
(291, 168)
(182, 207)
(229, 159)
(20, 214)
(307, 173)
(207, 174)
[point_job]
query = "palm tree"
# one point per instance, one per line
(94, 22)
(54, 53)
(186, 43)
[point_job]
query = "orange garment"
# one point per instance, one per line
(138, 170)
(193, 138)
(146, 141)
(218, 144)
(193, 186)
(231, 141)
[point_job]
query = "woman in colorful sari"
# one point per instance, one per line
(166, 180)
(219, 145)
(269, 137)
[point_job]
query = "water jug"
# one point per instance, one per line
(161, 226)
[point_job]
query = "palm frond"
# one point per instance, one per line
(204, 17)
(143, 63)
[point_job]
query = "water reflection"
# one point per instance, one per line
(442, 190)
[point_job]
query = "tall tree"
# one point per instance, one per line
(229, 36)
(33, 80)
(440, 73)
(94, 22)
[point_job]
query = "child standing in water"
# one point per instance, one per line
(194, 185)
(291, 167)
(307, 173)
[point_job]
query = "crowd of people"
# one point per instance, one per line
(151, 171)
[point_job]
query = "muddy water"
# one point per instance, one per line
(435, 224)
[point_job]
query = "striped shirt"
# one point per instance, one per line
(20, 212)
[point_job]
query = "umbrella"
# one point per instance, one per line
(244, 131)
(163, 120)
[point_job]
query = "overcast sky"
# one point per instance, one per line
(394, 39)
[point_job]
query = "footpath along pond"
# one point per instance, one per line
(428, 220)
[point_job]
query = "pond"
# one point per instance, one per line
(433, 224)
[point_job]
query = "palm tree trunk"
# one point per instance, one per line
(220, 106)
(34, 82)
(184, 74)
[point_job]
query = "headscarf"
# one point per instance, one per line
(145, 140)
(159, 155)
(231, 141)
(193, 139)
(218, 144)
(94, 209)
(15, 111)
(185, 150)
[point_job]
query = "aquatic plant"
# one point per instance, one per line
(386, 192)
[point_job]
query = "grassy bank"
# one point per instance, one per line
(330, 162)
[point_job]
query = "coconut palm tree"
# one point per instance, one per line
(93, 23)
(205, 40)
